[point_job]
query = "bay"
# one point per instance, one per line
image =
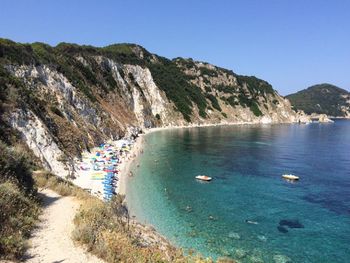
(248, 212)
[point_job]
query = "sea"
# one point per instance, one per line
(248, 211)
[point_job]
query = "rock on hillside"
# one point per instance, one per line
(68, 98)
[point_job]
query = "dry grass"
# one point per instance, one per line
(63, 187)
(19, 207)
(104, 230)
(106, 237)
(18, 215)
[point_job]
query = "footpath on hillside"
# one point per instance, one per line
(51, 241)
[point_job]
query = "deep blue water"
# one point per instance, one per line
(246, 163)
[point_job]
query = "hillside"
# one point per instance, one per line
(65, 99)
(322, 99)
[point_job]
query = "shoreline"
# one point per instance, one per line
(148, 231)
(125, 167)
(137, 148)
(83, 178)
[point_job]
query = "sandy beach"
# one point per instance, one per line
(94, 167)
(128, 161)
(85, 178)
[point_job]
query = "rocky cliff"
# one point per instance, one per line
(65, 99)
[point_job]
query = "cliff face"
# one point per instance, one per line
(65, 99)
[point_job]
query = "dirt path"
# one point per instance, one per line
(51, 242)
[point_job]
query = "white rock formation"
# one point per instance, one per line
(39, 140)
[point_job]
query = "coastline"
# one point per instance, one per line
(147, 232)
(127, 159)
(125, 167)
(137, 148)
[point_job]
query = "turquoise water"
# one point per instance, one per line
(246, 163)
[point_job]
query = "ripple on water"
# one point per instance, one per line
(307, 222)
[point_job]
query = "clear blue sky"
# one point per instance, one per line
(290, 43)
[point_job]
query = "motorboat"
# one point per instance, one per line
(204, 178)
(290, 177)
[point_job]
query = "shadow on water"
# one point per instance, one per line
(331, 203)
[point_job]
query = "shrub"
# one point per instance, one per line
(100, 228)
(255, 109)
(15, 167)
(255, 85)
(207, 89)
(214, 101)
(55, 110)
(177, 87)
(225, 89)
(232, 101)
(18, 204)
(63, 187)
(208, 72)
(18, 216)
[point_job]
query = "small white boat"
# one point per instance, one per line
(290, 177)
(204, 178)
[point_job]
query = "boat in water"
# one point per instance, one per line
(290, 177)
(204, 178)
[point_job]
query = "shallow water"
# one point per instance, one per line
(246, 163)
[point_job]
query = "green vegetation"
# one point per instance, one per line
(108, 77)
(225, 89)
(322, 98)
(105, 229)
(178, 89)
(127, 54)
(102, 228)
(55, 110)
(208, 72)
(255, 109)
(214, 101)
(186, 63)
(77, 64)
(232, 101)
(15, 52)
(61, 186)
(18, 203)
(77, 74)
(255, 85)
(18, 216)
(207, 89)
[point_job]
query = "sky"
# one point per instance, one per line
(292, 44)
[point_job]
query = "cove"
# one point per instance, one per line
(248, 212)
